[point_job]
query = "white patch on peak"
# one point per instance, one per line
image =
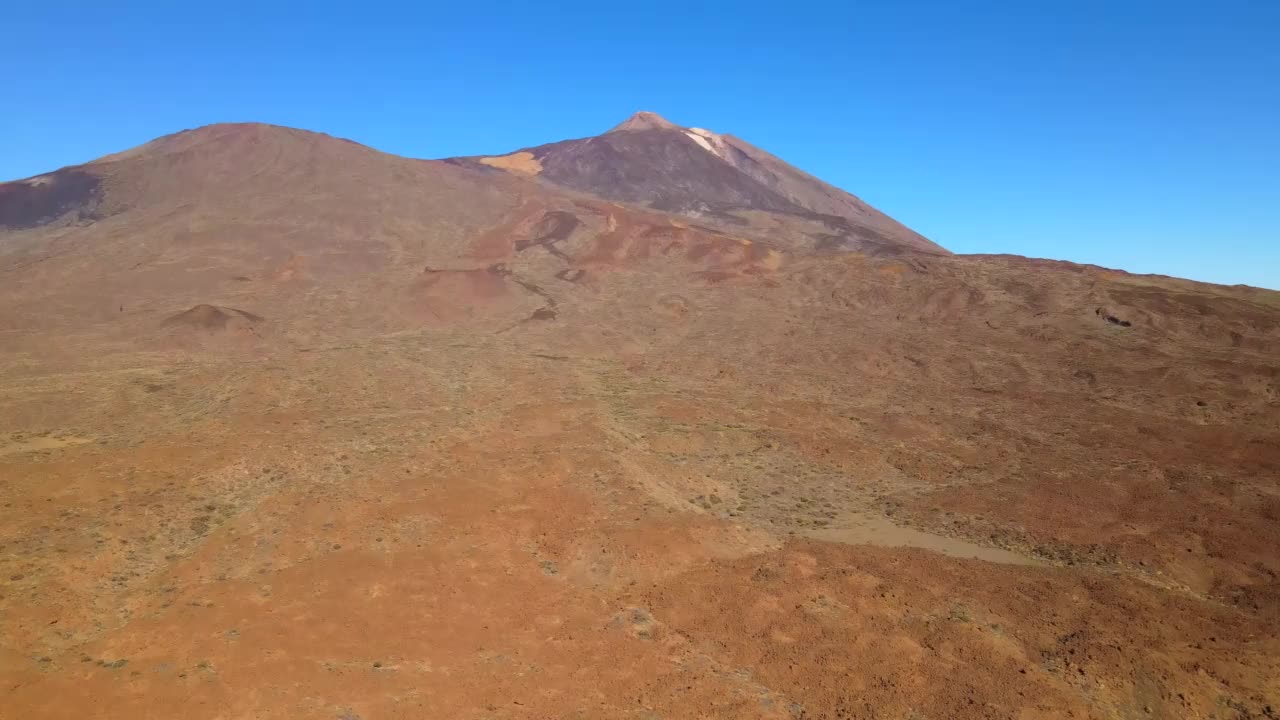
(709, 141)
(701, 141)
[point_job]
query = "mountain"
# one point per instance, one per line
(650, 161)
(294, 219)
(294, 428)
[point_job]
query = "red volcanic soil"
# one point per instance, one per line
(500, 449)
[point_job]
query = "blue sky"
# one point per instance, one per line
(1138, 135)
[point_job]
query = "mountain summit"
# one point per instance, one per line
(719, 179)
(645, 120)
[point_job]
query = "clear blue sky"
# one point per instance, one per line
(1138, 135)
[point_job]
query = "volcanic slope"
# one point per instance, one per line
(648, 160)
(293, 428)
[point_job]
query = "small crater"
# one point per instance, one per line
(211, 317)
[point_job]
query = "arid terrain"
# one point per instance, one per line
(648, 425)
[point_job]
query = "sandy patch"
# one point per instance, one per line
(523, 163)
(40, 443)
(871, 529)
